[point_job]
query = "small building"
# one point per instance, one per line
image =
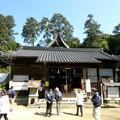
(57, 65)
(111, 90)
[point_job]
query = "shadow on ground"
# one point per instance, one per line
(69, 113)
(41, 114)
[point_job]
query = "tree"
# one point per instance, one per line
(74, 43)
(7, 40)
(12, 45)
(30, 31)
(93, 33)
(7, 24)
(45, 30)
(114, 44)
(117, 29)
(104, 38)
(114, 41)
(58, 23)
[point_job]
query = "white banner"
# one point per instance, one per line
(20, 85)
(88, 85)
(10, 84)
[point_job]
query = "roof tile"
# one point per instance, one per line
(64, 55)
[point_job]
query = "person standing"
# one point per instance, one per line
(79, 102)
(11, 94)
(58, 98)
(49, 97)
(97, 101)
(4, 105)
(40, 95)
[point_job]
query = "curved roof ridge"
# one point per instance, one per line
(57, 40)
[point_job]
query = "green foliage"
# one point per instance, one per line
(12, 45)
(114, 41)
(93, 33)
(7, 24)
(2, 86)
(114, 44)
(6, 28)
(73, 43)
(57, 24)
(117, 29)
(30, 31)
(104, 42)
(5, 70)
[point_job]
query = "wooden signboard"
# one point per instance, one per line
(34, 83)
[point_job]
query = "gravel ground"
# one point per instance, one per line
(68, 113)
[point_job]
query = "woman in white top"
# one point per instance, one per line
(4, 105)
(79, 102)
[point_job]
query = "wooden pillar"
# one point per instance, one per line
(114, 75)
(44, 78)
(86, 72)
(99, 80)
(98, 75)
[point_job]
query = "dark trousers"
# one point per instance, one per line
(49, 108)
(5, 116)
(81, 110)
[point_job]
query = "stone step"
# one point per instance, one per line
(65, 100)
(63, 104)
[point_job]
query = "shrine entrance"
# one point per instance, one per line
(64, 78)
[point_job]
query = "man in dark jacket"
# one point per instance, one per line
(96, 99)
(11, 93)
(49, 97)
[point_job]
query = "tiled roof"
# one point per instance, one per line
(64, 55)
(116, 57)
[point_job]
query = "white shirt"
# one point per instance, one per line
(79, 99)
(4, 104)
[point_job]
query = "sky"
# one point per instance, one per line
(105, 12)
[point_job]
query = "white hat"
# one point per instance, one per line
(94, 89)
(57, 89)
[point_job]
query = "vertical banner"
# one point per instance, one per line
(10, 84)
(88, 85)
